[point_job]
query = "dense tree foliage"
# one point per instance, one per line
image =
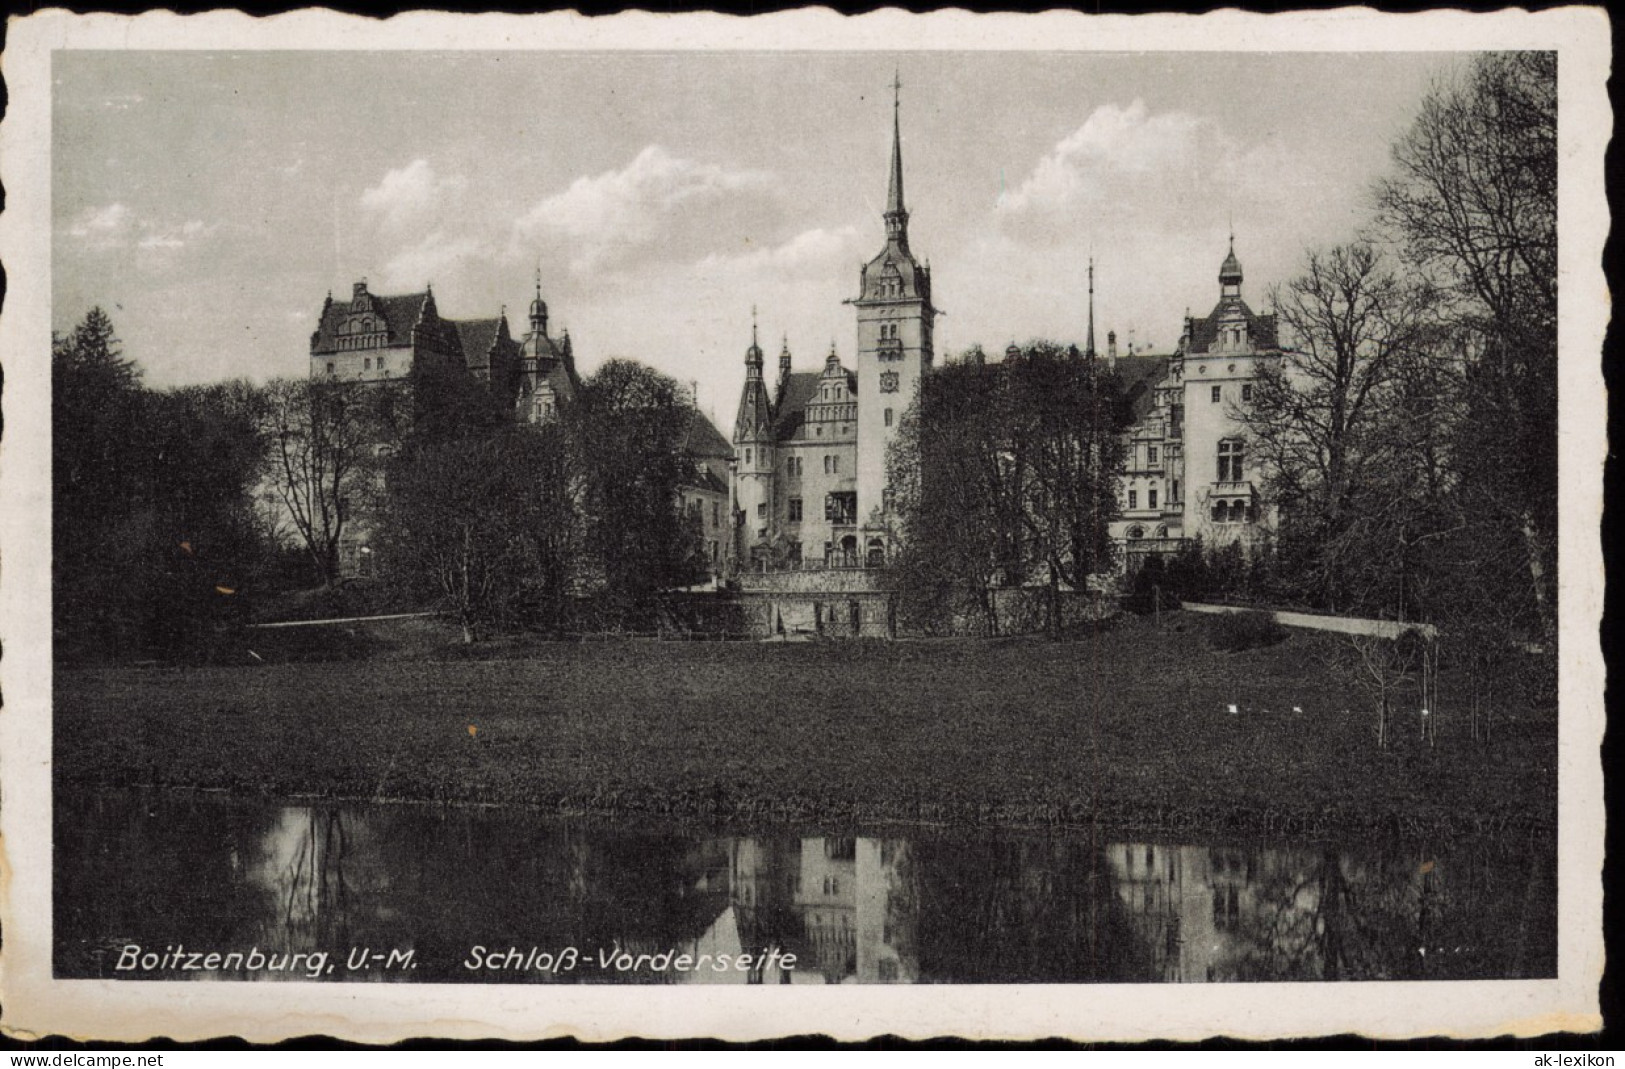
(627, 426)
(1006, 474)
(154, 534)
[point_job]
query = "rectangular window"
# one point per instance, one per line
(1151, 498)
(380, 363)
(1218, 394)
(1230, 461)
(827, 459)
(330, 367)
(366, 365)
(747, 458)
(1246, 393)
(1133, 499)
(716, 514)
(761, 510)
(841, 508)
(1151, 454)
(1173, 492)
(888, 417)
(795, 510)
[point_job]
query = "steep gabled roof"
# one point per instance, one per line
(799, 389)
(702, 439)
(478, 337)
(1261, 328)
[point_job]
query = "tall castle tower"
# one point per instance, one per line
(895, 317)
(753, 452)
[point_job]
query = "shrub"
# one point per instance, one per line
(1235, 631)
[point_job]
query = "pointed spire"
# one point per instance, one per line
(753, 355)
(896, 213)
(1230, 270)
(894, 197)
(1090, 352)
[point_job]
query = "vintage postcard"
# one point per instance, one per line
(683, 526)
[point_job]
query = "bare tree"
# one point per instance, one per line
(1328, 420)
(1474, 200)
(325, 442)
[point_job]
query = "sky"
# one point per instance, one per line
(210, 201)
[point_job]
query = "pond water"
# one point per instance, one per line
(153, 885)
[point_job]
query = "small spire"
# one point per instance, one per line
(1091, 349)
(753, 326)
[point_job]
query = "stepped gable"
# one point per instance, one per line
(400, 313)
(800, 388)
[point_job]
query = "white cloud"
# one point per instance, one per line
(104, 227)
(407, 196)
(656, 200)
(174, 237)
(1127, 171)
(816, 251)
(432, 260)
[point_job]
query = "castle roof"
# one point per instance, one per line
(478, 338)
(1138, 373)
(702, 439)
(1261, 329)
(799, 389)
(399, 312)
(701, 477)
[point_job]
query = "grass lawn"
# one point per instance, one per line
(1127, 727)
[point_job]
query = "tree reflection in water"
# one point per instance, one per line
(226, 874)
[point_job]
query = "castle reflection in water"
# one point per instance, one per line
(998, 907)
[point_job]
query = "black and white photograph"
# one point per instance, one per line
(555, 519)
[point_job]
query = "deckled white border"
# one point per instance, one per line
(34, 1003)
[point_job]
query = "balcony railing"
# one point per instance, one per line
(1233, 488)
(839, 563)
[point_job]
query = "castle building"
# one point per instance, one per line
(374, 338)
(545, 376)
(810, 482)
(381, 340)
(1189, 473)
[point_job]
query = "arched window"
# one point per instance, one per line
(1162, 531)
(1136, 531)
